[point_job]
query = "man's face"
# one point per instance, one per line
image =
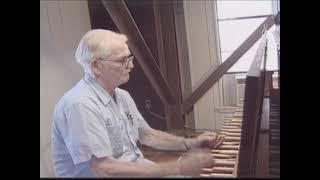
(116, 69)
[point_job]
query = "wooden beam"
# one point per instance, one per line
(159, 35)
(169, 64)
(213, 75)
(121, 16)
(183, 56)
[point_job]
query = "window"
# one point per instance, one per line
(236, 21)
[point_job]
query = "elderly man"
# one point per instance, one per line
(96, 125)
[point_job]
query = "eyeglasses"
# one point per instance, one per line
(125, 61)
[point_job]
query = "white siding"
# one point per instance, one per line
(203, 53)
(62, 23)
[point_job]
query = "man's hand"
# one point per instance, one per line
(193, 163)
(209, 139)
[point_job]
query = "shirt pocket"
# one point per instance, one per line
(134, 128)
(115, 137)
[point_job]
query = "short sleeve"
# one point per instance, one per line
(86, 134)
(142, 123)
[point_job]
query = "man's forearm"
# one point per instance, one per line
(137, 169)
(165, 141)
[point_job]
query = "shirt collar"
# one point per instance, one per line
(102, 94)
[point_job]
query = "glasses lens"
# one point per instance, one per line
(129, 60)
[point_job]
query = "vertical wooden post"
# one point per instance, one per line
(168, 56)
(183, 57)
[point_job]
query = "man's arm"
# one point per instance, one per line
(165, 141)
(104, 167)
(191, 165)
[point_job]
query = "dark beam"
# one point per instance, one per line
(183, 56)
(213, 75)
(164, 16)
(159, 35)
(121, 16)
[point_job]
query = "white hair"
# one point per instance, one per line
(96, 43)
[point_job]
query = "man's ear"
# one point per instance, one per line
(95, 67)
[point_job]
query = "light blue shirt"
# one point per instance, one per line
(87, 122)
